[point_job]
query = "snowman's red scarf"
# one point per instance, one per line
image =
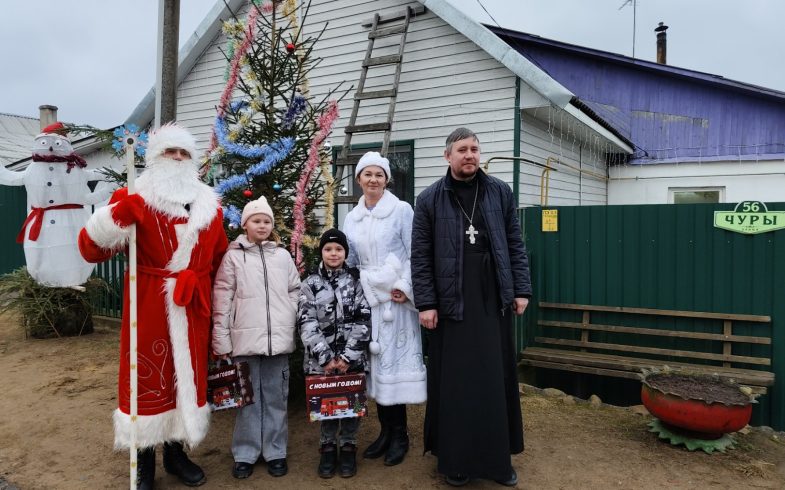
(72, 160)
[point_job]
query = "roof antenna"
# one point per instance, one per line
(634, 4)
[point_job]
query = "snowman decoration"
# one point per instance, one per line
(57, 193)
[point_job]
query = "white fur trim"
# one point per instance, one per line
(194, 425)
(188, 422)
(103, 230)
(394, 390)
(378, 282)
(383, 208)
(154, 429)
(170, 136)
(203, 210)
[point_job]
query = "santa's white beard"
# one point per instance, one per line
(171, 181)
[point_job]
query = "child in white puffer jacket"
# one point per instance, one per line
(254, 312)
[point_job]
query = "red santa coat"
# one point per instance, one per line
(178, 252)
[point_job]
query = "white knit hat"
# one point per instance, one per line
(373, 158)
(255, 207)
(169, 136)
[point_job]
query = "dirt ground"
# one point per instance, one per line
(55, 432)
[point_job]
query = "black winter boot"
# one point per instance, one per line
(380, 445)
(145, 468)
(348, 460)
(399, 445)
(328, 460)
(177, 463)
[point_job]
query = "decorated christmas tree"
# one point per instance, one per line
(269, 133)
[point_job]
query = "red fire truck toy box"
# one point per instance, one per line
(335, 397)
(228, 386)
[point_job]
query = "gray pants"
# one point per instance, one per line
(262, 427)
(346, 435)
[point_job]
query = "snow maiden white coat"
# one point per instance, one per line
(255, 300)
(379, 245)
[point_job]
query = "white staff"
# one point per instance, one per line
(130, 143)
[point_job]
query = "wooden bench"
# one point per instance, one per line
(581, 356)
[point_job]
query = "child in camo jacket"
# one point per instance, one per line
(335, 324)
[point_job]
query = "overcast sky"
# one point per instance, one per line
(95, 59)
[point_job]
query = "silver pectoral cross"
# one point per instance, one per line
(472, 232)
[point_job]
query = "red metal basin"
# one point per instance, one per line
(712, 420)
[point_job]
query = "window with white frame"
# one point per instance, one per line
(695, 195)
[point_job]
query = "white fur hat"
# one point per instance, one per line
(169, 135)
(255, 207)
(373, 158)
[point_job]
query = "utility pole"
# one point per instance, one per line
(166, 61)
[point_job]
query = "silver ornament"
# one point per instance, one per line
(374, 347)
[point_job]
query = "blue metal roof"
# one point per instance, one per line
(668, 113)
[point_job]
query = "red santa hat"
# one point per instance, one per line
(56, 128)
(169, 136)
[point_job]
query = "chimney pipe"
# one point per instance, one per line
(662, 44)
(47, 115)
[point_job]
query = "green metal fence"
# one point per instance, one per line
(13, 211)
(112, 271)
(666, 257)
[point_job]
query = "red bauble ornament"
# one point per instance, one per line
(290, 47)
(247, 193)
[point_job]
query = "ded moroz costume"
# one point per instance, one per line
(180, 242)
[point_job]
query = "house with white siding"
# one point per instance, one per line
(455, 72)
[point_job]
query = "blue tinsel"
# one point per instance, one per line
(295, 108)
(271, 155)
(232, 214)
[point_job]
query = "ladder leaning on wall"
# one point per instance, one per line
(395, 24)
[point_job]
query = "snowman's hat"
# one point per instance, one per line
(57, 128)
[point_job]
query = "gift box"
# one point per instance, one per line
(335, 397)
(229, 386)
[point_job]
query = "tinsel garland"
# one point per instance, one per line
(232, 29)
(272, 154)
(232, 214)
(239, 53)
(295, 109)
(325, 124)
(329, 191)
(290, 10)
(225, 139)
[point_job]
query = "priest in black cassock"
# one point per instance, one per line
(470, 274)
